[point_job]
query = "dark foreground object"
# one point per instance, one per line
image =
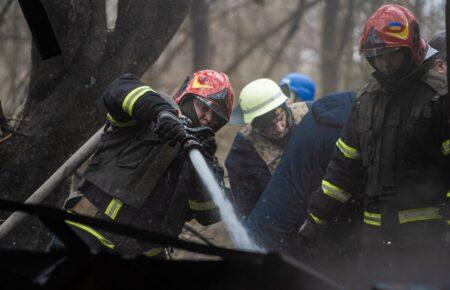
(76, 267)
(69, 270)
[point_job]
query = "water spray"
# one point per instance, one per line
(210, 184)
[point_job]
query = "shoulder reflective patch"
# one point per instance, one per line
(120, 124)
(201, 206)
(335, 192)
(348, 151)
(446, 147)
(132, 97)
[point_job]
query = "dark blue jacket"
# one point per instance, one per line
(281, 209)
(248, 175)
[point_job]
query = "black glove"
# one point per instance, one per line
(170, 128)
(210, 146)
(205, 136)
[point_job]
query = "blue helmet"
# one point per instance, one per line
(301, 85)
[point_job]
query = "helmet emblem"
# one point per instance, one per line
(198, 83)
(398, 30)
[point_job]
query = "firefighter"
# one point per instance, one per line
(395, 150)
(258, 147)
(139, 174)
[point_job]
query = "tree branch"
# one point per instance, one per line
(70, 21)
(136, 29)
(261, 39)
(347, 28)
(295, 26)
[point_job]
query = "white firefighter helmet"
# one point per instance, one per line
(259, 97)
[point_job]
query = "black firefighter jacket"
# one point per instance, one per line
(395, 150)
(135, 179)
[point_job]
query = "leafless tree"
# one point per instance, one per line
(63, 106)
(201, 47)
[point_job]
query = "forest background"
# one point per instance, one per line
(247, 39)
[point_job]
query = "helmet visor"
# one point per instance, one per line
(217, 102)
(373, 52)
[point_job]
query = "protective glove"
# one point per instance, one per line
(170, 128)
(205, 136)
(210, 146)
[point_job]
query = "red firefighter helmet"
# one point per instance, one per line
(210, 87)
(390, 28)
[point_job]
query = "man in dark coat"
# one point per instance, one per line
(274, 221)
(276, 217)
(270, 118)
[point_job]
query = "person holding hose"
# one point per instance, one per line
(139, 174)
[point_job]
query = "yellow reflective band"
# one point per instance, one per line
(419, 214)
(153, 252)
(132, 97)
(120, 124)
(335, 192)
(372, 215)
(373, 219)
(446, 147)
(372, 223)
(113, 208)
(348, 151)
(200, 206)
(107, 243)
(448, 222)
(316, 219)
(448, 194)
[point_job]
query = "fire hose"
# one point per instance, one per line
(83, 153)
(53, 183)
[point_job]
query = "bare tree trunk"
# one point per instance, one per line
(418, 9)
(14, 59)
(261, 39)
(293, 28)
(336, 38)
(201, 47)
(63, 104)
(328, 65)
